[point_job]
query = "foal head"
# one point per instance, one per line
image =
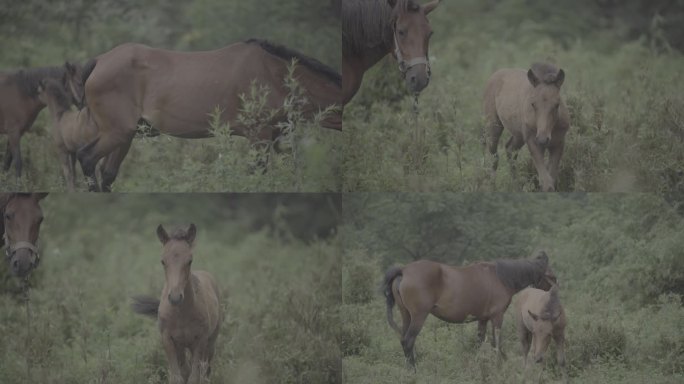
(545, 99)
(52, 93)
(177, 259)
(22, 217)
(548, 279)
(545, 323)
(412, 34)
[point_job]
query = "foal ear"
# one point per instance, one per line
(192, 231)
(429, 7)
(560, 77)
(532, 78)
(534, 317)
(162, 235)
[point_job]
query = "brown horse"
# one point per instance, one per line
(528, 104)
(189, 310)
(71, 130)
(175, 93)
(19, 107)
(540, 317)
(371, 29)
(20, 226)
(478, 292)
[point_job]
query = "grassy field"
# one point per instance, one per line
(619, 265)
(624, 97)
(279, 295)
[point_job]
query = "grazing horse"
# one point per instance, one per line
(372, 29)
(540, 317)
(175, 93)
(529, 105)
(19, 107)
(20, 226)
(188, 312)
(478, 292)
(71, 130)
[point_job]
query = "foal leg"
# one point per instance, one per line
(512, 147)
(537, 153)
(172, 353)
(72, 171)
(183, 363)
(64, 160)
(555, 154)
(560, 354)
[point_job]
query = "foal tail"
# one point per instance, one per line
(145, 305)
(390, 275)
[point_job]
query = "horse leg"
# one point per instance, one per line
(537, 153)
(72, 171)
(482, 331)
(497, 322)
(494, 129)
(408, 342)
(64, 160)
(512, 147)
(112, 164)
(7, 162)
(526, 342)
(182, 363)
(560, 354)
(172, 354)
(555, 154)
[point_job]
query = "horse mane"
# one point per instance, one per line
(368, 24)
(545, 72)
(307, 61)
(27, 79)
(519, 274)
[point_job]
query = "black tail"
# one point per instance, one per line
(145, 305)
(88, 69)
(391, 274)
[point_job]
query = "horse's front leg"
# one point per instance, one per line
(555, 154)
(537, 153)
(560, 354)
(7, 162)
(482, 331)
(172, 354)
(199, 364)
(65, 160)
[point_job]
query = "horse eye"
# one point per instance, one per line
(163, 263)
(402, 32)
(8, 217)
(190, 262)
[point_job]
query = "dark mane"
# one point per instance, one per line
(289, 54)
(519, 274)
(27, 79)
(369, 24)
(545, 72)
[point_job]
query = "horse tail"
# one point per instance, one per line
(390, 275)
(145, 305)
(88, 68)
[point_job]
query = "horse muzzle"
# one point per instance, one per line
(416, 73)
(23, 257)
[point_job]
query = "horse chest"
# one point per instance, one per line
(183, 331)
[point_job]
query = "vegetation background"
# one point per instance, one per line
(275, 258)
(619, 264)
(36, 33)
(623, 85)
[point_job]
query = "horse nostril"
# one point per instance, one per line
(412, 79)
(15, 264)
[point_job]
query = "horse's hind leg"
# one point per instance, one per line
(482, 331)
(408, 342)
(112, 163)
(513, 145)
(493, 130)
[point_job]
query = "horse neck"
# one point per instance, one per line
(55, 111)
(354, 66)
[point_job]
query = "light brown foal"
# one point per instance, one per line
(188, 312)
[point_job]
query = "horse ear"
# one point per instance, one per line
(429, 7)
(162, 235)
(392, 3)
(533, 78)
(192, 231)
(38, 196)
(560, 77)
(534, 317)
